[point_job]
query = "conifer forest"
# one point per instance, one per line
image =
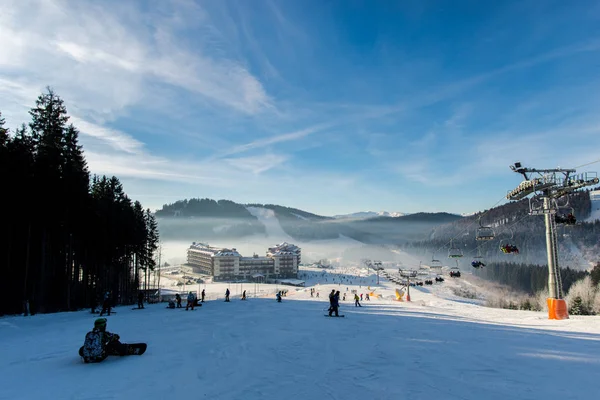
(67, 236)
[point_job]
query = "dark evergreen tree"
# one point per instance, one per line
(64, 241)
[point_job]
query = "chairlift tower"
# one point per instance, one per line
(548, 185)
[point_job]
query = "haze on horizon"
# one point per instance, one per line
(330, 108)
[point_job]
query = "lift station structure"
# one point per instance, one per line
(546, 186)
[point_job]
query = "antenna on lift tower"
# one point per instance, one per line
(547, 185)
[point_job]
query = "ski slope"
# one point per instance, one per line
(431, 348)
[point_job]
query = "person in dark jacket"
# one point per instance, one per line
(178, 300)
(141, 299)
(108, 344)
(106, 304)
(203, 294)
(335, 304)
(227, 294)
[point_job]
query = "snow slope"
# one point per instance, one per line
(431, 348)
(312, 250)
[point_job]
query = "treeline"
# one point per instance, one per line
(65, 238)
(525, 277)
(205, 208)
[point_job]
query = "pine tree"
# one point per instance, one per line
(577, 307)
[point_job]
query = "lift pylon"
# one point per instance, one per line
(547, 185)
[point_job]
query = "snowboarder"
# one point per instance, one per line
(367, 297)
(191, 300)
(178, 300)
(335, 304)
(356, 299)
(278, 295)
(331, 295)
(203, 295)
(99, 344)
(171, 304)
(106, 304)
(244, 295)
(141, 299)
(227, 294)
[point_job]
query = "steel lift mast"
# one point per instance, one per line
(548, 185)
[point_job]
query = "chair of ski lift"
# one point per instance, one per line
(508, 242)
(536, 205)
(436, 263)
(565, 214)
(454, 252)
(484, 232)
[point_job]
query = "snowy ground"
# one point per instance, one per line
(432, 348)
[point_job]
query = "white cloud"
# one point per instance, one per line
(103, 56)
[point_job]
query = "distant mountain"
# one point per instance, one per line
(369, 214)
(205, 218)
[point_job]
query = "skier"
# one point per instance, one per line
(191, 300)
(335, 304)
(244, 295)
(106, 304)
(141, 299)
(227, 294)
(356, 299)
(178, 300)
(99, 344)
(203, 295)
(331, 300)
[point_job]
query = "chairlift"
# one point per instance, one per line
(478, 256)
(436, 263)
(506, 245)
(454, 252)
(565, 214)
(484, 232)
(536, 205)
(455, 271)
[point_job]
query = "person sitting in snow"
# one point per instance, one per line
(99, 344)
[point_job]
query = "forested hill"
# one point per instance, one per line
(65, 240)
(579, 245)
(206, 218)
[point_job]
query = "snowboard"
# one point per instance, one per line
(136, 349)
(333, 316)
(137, 308)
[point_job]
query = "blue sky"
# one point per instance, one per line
(328, 106)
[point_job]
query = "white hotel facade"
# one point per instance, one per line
(281, 262)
